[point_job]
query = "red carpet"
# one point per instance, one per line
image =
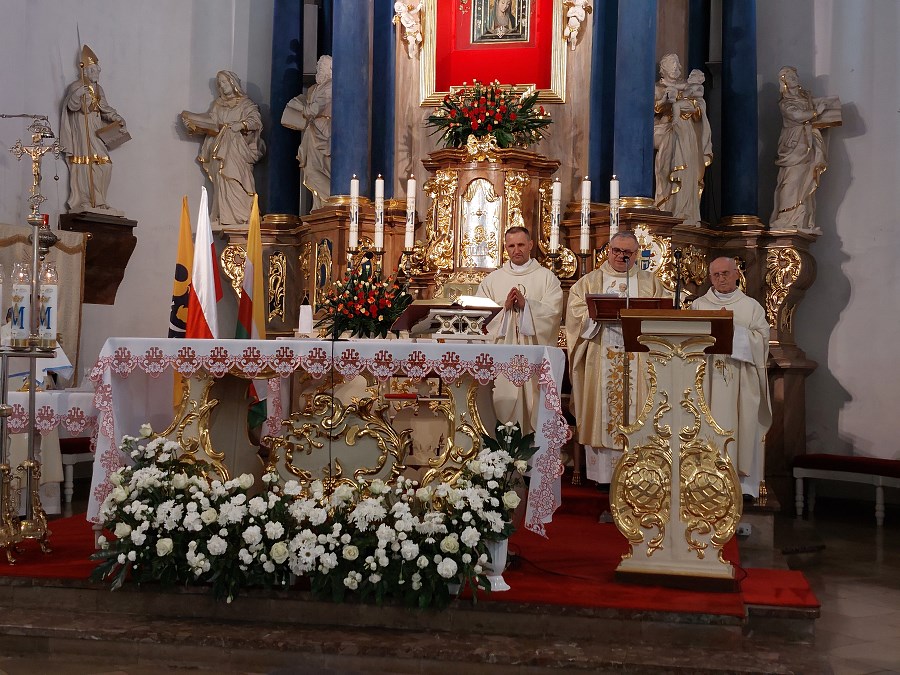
(574, 567)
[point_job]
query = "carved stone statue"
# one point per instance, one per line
(89, 129)
(801, 152)
(576, 13)
(231, 146)
(311, 114)
(682, 139)
(408, 15)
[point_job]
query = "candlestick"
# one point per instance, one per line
(585, 239)
(410, 232)
(379, 212)
(556, 196)
(613, 206)
(354, 212)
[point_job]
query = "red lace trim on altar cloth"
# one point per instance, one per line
(75, 420)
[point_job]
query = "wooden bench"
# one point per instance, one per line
(868, 470)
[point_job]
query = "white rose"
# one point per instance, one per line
(119, 495)
(423, 494)
(350, 552)
(146, 431)
(245, 481)
(521, 465)
(450, 544)
(115, 478)
(279, 552)
(511, 499)
(474, 466)
(164, 547)
(179, 481)
(122, 530)
(422, 562)
(209, 516)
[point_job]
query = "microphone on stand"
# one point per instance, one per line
(627, 284)
(677, 278)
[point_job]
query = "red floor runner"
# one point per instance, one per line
(573, 567)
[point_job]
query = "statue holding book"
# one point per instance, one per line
(89, 129)
(231, 147)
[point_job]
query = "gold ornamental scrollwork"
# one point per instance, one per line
(438, 247)
(327, 423)
(324, 278)
(232, 259)
(783, 267)
(643, 487)
(277, 284)
(447, 465)
(190, 426)
(305, 260)
(711, 501)
(481, 149)
(514, 184)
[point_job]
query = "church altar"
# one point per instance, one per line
(133, 381)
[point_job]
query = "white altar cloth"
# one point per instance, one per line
(130, 389)
(58, 414)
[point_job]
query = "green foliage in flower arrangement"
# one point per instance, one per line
(363, 304)
(480, 110)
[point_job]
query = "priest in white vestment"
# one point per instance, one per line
(737, 385)
(532, 301)
(597, 356)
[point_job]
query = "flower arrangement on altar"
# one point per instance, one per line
(363, 304)
(482, 110)
(172, 524)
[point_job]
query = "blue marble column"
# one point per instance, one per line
(740, 123)
(635, 79)
(383, 49)
(287, 82)
(603, 96)
(351, 87)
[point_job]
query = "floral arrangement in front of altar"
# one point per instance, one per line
(481, 110)
(170, 523)
(500, 468)
(363, 304)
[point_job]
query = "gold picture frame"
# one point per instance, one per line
(429, 96)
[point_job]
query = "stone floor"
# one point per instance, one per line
(853, 567)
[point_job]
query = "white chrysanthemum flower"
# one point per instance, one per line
(216, 545)
(470, 537)
(447, 568)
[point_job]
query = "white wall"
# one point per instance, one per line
(157, 58)
(848, 322)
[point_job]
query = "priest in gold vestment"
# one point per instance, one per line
(597, 356)
(532, 301)
(737, 385)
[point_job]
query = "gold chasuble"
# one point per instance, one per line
(536, 324)
(597, 366)
(737, 385)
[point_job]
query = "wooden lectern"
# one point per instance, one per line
(675, 494)
(445, 320)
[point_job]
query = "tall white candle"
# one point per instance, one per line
(585, 238)
(409, 234)
(354, 212)
(613, 206)
(556, 197)
(379, 212)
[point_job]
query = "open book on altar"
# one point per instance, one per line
(603, 307)
(422, 315)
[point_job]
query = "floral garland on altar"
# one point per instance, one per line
(172, 524)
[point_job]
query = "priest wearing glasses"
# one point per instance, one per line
(597, 355)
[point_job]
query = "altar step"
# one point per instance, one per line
(48, 623)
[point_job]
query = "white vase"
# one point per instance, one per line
(497, 551)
